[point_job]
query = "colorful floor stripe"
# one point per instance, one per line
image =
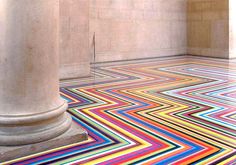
(176, 110)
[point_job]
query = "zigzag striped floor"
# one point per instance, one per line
(176, 110)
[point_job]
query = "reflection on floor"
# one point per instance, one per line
(175, 110)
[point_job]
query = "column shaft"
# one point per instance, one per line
(31, 109)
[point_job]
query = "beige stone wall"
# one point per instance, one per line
(232, 27)
(74, 42)
(208, 28)
(131, 29)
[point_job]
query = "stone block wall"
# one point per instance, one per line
(232, 27)
(132, 29)
(74, 38)
(208, 27)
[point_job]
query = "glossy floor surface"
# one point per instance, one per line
(176, 110)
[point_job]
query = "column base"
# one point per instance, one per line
(74, 135)
(36, 128)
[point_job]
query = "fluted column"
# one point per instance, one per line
(31, 109)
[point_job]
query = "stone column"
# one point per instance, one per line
(31, 109)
